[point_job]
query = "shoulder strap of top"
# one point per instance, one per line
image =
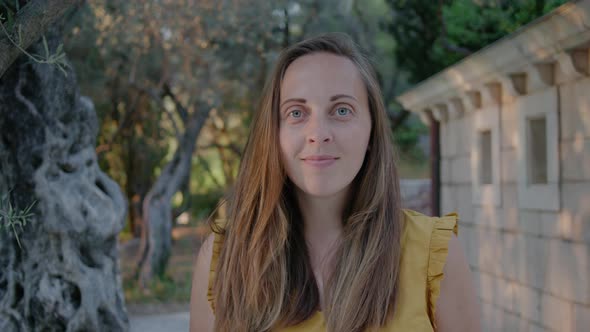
(443, 230)
(433, 235)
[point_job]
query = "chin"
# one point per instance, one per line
(323, 189)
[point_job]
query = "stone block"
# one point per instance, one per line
(549, 224)
(513, 256)
(514, 323)
(527, 302)
(581, 318)
(490, 253)
(505, 291)
(534, 270)
(574, 218)
(488, 216)
(462, 147)
(448, 135)
(464, 204)
(575, 109)
(556, 314)
(476, 276)
(491, 317)
(447, 199)
(530, 221)
(508, 162)
(575, 159)
(466, 134)
(568, 271)
(509, 211)
(537, 328)
(445, 171)
(488, 287)
(461, 170)
(469, 236)
(509, 126)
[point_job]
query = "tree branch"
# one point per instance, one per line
(32, 20)
(156, 97)
(124, 123)
(180, 109)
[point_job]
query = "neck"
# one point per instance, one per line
(322, 220)
(322, 215)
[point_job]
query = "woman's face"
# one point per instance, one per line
(325, 123)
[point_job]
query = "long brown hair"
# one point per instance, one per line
(264, 278)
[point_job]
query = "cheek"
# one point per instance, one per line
(283, 142)
(287, 143)
(357, 138)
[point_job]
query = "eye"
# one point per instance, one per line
(343, 111)
(295, 114)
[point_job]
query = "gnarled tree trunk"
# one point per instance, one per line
(156, 239)
(65, 277)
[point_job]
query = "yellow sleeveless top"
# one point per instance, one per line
(424, 252)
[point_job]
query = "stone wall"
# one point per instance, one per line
(528, 245)
(531, 267)
(416, 195)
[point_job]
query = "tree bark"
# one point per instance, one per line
(156, 239)
(33, 19)
(65, 275)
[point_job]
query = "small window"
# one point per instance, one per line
(537, 150)
(485, 142)
(485, 157)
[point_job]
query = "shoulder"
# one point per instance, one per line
(427, 240)
(201, 314)
(452, 301)
(432, 243)
(457, 304)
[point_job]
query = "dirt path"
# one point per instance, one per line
(160, 323)
(173, 314)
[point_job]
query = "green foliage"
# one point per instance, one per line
(406, 137)
(431, 35)
(12, 218)
(56, 58)
(8, 9)
(204, 204)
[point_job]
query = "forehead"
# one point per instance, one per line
(322, 75)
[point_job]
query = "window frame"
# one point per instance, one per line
(538, 196)
(486, 118)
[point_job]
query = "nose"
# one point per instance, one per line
(318, 130)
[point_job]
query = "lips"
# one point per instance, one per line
(320, 161)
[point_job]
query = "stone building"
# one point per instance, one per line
(514, 136)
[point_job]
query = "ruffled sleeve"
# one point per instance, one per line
(444, 227)
(216, 250)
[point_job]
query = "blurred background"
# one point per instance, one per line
(144, 64)
(174, 84)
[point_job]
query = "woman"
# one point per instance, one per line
(316, 239)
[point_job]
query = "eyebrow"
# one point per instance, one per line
(342, 96)
(334, 97)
